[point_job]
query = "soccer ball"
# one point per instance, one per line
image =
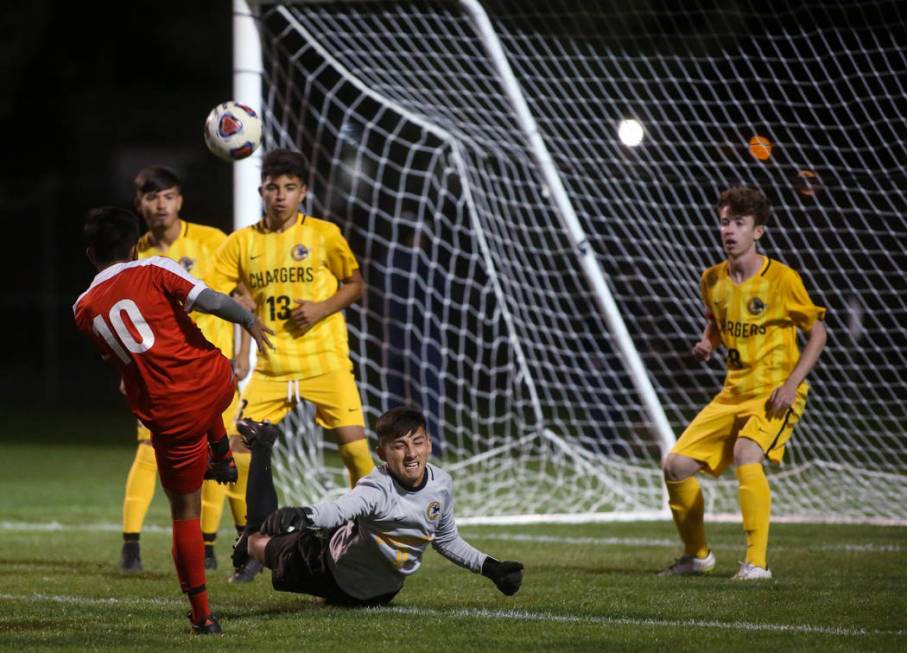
(232, 131)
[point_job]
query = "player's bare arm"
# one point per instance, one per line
(782, 398)
(307, 314)
(241, 364)
(242, 295)
(709, 342)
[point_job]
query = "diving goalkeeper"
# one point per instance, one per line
(359, 549)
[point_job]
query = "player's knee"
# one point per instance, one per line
(236, 445)
(256, 545)
(677, 468)
(747, 452)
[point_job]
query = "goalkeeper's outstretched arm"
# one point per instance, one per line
(507, 575)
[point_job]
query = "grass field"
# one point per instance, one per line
(587, 588)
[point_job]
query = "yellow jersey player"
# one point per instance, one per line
(753, 306)
(301, 274)
(158, 199)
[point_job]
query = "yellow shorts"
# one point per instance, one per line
(711, 435)
(335, 396)
(230, 416)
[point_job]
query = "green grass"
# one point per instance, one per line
(587, 587)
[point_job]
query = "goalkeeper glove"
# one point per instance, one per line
(506, 575)
(286, 520)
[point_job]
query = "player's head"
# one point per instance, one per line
(111, 234)
(742, 214)
(283, 162)
(158, 196)
(745, 200)
(282, 184)
(403, 444)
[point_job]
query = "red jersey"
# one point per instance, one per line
(137, 314)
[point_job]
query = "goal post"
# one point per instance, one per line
(533, 282)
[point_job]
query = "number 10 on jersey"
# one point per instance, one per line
(124, 337)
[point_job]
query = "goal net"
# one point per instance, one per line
(477, 308)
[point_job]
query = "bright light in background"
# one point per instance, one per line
(630, 132)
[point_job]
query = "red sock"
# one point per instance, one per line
(189, 557)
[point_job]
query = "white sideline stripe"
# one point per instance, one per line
(665, 515)
(519, 615)
(869, 547)
(53, 526)
(511, 615)
(87, 600)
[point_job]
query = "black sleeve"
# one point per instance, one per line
(224, 307)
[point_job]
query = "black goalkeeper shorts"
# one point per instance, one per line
(299, 563)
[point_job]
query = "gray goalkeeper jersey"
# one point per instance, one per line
(386, 527)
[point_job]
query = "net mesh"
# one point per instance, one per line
(477, 309)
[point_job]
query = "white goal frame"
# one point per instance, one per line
(248, 75)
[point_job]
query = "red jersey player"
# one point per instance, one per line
(177, 383)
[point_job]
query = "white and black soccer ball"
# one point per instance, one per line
(232, 131)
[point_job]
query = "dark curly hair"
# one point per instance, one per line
(111, 233)
(745, 200)
(283, 162)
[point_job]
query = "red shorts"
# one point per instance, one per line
(182, 455)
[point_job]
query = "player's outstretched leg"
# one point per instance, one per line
(261, 496)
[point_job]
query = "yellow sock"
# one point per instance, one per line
(756, 507)
(357, 458)
(140, 486)
(237, 491)
(213, 494)
(688, 507)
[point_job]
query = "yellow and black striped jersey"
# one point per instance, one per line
(194, 250)
(304, 262)
(757, 321)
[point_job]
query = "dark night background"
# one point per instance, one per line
(90, 94)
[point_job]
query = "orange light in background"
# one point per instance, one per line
(807, 183)
(760, 147)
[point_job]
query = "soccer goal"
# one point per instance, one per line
(533, 281)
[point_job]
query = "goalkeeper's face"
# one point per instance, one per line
(406, 456)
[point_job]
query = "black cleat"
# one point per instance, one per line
(223, 471)
(210, 558)
(130, 561)
(247, 573)
(257, 434)
(206, 625)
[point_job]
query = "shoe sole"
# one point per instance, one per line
(707, 572)
(751, 578)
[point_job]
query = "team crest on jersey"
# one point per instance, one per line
(433, 511)
(187, 263)
(299, 252)
(755, 306)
